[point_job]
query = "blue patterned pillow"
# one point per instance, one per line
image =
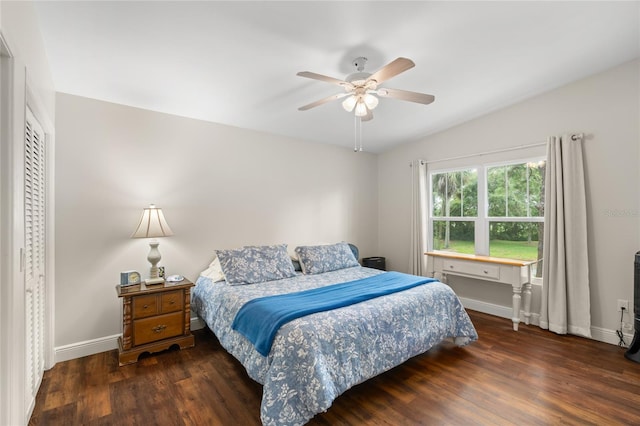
(319, 259)
(255, 264)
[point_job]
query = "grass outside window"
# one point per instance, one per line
(520, 250)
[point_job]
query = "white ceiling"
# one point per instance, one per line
(236, 62)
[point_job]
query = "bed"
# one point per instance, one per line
(315, 358)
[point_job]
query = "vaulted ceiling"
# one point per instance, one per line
(236, 62)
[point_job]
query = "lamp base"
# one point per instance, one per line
(154, 258)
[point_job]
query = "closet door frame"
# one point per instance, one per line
(12, 327)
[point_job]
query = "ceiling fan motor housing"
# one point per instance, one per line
(359, 63)
(359, 75)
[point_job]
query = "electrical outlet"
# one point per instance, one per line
(623, 304)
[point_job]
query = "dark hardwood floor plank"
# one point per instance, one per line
(529, 377)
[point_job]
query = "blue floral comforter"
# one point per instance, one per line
(316, 358)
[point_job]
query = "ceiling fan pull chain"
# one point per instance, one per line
(360, 132)
(355, 133)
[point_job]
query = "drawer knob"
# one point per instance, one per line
(159, 328)
(451, 266)
(485, 271)
(145, 306)
(173, 302)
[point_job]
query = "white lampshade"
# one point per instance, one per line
(361, 109)
(370, 101)
(349, 103)
(152, 224)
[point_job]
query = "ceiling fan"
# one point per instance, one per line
(361, 89)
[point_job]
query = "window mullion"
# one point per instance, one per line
(481, 223)
(506, 192)
(528, 200)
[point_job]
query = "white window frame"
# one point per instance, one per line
(482, 220)
(431, 218)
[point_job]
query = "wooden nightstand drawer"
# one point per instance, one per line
(157, 328)
(154, 318)
(145, 306)
(171, 301)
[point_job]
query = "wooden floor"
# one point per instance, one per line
(530, 377)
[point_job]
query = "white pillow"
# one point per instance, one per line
(214, 271)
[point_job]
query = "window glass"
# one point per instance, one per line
(536, 188)
(455, 194)
(515, 240)
(455, 236)
(516, 190)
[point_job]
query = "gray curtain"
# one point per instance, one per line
(565, 272)
(417, 262)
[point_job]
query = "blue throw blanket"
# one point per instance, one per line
(260, 319)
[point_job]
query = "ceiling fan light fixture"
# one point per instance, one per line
(349, 103)
(361, 93)
(370, 101)
(361, 109)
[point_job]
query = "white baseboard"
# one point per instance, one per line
(497, 310)
(94, 346)
(88, 347)
(103, 344)
(609, 336)
(486, 308)
(600, 334)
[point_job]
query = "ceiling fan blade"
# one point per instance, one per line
(324, 78)
(323, 101)
(367, 117)
(392, 69)
(405, 95)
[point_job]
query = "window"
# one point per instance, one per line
(454, 200)
(490, 209)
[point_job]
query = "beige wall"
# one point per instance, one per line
(20, 27)
(606, 108)
(219, 187)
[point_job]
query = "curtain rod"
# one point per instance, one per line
(574, 137)
(497, 151)
(577, 136)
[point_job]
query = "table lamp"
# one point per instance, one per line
(152, 225)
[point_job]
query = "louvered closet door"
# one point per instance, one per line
(34, 219)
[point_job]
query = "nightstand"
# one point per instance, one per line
(375, 263)
(154, 318)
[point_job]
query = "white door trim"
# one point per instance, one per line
(12, 332)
